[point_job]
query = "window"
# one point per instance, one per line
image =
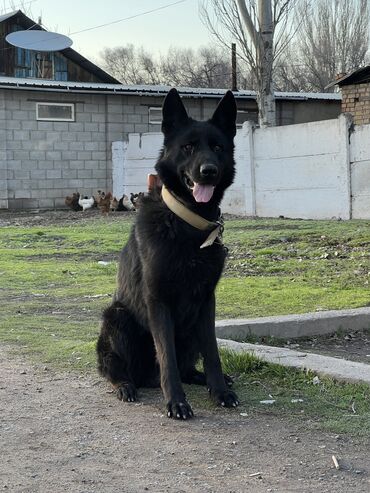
(58, 112)
(155, 115)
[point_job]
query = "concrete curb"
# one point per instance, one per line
(336, 368)
(294, 326)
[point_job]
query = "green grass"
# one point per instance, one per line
(51, 281)
(53, 289)
(329, 405)
(277, 267)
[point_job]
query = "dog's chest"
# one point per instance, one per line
(193, 274)
(173, 262)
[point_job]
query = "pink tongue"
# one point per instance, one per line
(203, 193)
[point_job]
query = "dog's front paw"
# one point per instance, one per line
(179, 410)
(226, 398)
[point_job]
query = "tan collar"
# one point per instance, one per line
(192, 218)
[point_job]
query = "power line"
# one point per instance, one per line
(128, 18)
(112, 22)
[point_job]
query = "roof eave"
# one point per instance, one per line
(148, 90)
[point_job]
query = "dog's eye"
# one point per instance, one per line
(188, 148)
(217, 148)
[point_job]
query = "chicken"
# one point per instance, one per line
(72, 202)
(127, 205)
(123, 204)
(86, 202)
(114, 204)
(104, 202)
(101, 195)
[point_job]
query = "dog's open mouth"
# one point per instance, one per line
(201, 192)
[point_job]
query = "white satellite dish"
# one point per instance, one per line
(39, 40)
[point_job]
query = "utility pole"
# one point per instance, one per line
(265, 57)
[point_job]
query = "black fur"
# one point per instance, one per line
(162, 318)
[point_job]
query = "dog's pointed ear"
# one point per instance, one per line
(224, 116)
(174, 112)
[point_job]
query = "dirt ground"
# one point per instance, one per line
(53, 217)
(352, 346)
(68, 433)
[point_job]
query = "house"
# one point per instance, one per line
(355, 89)
(63, 65)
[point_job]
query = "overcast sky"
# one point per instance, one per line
(178, 25)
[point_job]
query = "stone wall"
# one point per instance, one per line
(356, 100)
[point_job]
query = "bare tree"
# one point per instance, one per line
(262, 30)
(333, 38)
(208, 66)
(131, 65)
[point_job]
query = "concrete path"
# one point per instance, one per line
(293, 326)
(336, 368)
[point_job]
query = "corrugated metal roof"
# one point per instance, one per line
(148, 90)
(358, 76)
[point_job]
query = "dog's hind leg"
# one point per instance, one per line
(195, 377)
(114, 369)
(188, 354)
(125, 357)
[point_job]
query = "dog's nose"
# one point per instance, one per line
(208, 170)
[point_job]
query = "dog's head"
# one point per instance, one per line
(197, 159)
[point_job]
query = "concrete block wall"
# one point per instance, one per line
(47, 160)
(356, 100)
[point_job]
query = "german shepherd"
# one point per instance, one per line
(162, 318)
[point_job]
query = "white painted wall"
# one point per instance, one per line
(304, 171)
(133, 161)
(141, 154)
(240, 197)
(360, 171)
(119, 150)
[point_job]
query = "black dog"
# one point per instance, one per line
(162, 318)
